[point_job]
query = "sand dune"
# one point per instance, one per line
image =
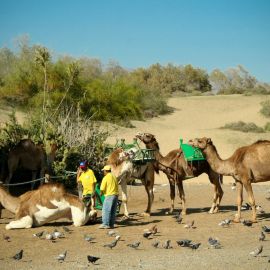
(202, 116)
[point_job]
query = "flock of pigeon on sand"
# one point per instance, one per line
(148, 234)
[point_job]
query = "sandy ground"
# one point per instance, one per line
(193, 117)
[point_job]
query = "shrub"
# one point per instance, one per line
(265, 110)
(244, 127)
(267, 127)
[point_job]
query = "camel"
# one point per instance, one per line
(27, 155)
(48, 203)
(177, 170)
(125, 171)
(248, 164)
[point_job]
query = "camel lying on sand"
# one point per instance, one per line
(125, 171)
(48, 203)
(176, 169)
(248, 164)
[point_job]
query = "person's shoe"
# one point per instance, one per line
(102, 226)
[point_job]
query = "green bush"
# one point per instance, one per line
(265, 110)
(267, 127)
(244, 127)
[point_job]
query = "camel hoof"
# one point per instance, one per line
(211, 212)
(236, 220)
(183, 213)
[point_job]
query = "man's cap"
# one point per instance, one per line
(106, 168)
(83, 164)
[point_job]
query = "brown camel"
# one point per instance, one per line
(125, 171)
(26, 155)
(248, 164)
(177, 170)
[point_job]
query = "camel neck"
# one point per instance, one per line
(220, 166)
(154, 145)
(9, 202)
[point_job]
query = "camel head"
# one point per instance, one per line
(200, 142)
(145, 137)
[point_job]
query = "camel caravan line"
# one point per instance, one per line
(249, 164)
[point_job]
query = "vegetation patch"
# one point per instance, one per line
(244, 127)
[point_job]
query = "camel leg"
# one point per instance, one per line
(25, 222)
(218, 194)
(251, 199)
(172, 194)
(182, 196)
(124, 196)
(239, 201)
(149, 185)
(34, 176)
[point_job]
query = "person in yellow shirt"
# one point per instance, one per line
(87, 179)
(109, 187)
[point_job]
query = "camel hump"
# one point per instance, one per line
(26, 143)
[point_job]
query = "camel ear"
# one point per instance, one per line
(209, 141)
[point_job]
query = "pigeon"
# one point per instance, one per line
(194, 246)
(247, 222)
(112, 244)
(134, 245)
(167, 244)
(117, 237)
(61, 257)
(56, 234)
(88, 238)
(18, 256)
(266, 229)
(179, 218)
(6, 238)
(155, 244)
(257, 251)
(111, 233)
(153, 230)
(147, 235)
(183, 243)
(38, 235)
(66, 229)
(247, 206)
(189, 225)
(262, 236)
(260, 209)
(92, 259)
(214, 243)
(225, 223)
(49, 236)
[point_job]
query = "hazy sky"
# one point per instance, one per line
(137, 33)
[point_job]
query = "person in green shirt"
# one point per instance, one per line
(109, 187)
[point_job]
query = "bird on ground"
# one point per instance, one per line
(247, 206)
(92, 259)
(134, 245)
(117, 237)
(225, 223)
(38, 235)
(56, 234)
(183, 243)
(167, 244)
(257, 251)
(153, 229)
(61, 257)
(214, 243)
(179, 218)
(260, 209)
(111, 233)
(112, 244)
(266, 229)
(50, 236)
(66, 229)
(147, 235)
(247, 222)
(18, 256)
(262, 236)
(189, 224)
(194, 246)
(155, 244)
(88, 238)
(6, 238)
